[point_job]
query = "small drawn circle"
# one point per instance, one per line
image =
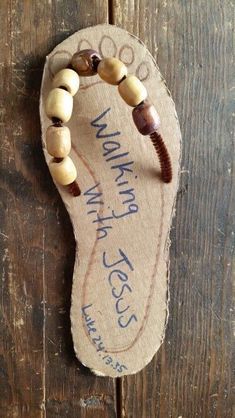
(58, 61)
(126, 55)
(84, 44)
(143, 71)
(107, 47)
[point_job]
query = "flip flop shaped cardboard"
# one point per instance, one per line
(122, 219)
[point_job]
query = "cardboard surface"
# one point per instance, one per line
(122, 219)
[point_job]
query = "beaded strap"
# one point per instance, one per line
(59, 107)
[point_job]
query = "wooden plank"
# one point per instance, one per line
(40, 375)
(191, 375)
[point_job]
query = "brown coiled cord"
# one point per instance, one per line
(74, 189)
(163, 155)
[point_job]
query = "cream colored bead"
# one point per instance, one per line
(64, 172)
(111, 70)
(59, 104)
(58, 140)
(68, 79)
(132, 90)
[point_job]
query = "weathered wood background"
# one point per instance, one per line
(191, 376)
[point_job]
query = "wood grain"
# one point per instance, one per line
(39, 374)
(191, 374)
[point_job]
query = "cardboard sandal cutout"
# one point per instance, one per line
(122, 219)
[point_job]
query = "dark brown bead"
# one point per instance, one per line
(85, 62)
(146, 118)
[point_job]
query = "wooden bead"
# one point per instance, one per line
(146, 118)
(132, 90)
(63, 172)
(67, 79)
(58, 140)
(112, 70)
(59, 104)
(85, 62)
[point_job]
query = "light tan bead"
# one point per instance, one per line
(58, 140)
(59, 104)
(111, 70)
(64, 172)
(132, 90)
(68, 79)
